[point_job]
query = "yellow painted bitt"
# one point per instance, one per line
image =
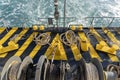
(83, 42)
(89, 46)
(115, 41)
(11, 46)
(80, 27)
(59, 52)
(76, 52)
(73, 27)
(103, 46)
(105, 49)
(35, 27)
(41, 27)
(84, 45)
(111, 50)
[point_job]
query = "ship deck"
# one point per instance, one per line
(27, 47)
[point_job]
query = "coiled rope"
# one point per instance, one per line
(69, 38)
(92, 72)
(13, 71)
(115, 69)
(42, 39)
(110, 75)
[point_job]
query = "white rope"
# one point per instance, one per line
(92, 72)
(115, 69)
(13, 71)
(42, 39)
(110, 75)
(69, 38)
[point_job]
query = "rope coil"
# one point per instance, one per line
(110, 76)
(92, 72)
(69, 38)
(42, 39)
(115, 69)
(12, 74)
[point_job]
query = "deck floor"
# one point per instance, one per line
(27, 46)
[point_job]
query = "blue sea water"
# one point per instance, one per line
(27, 12)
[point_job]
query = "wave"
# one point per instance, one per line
(27, 12)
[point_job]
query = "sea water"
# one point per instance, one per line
(27, 12)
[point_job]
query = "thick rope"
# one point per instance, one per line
(69, 38)
(110, 75)
(92, 72)
(42, 39)
(115, 69)
(13, 71)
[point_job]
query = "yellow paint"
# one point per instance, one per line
(76, 52)
(16, 40)
(103, 46)
(80, 27)
(21, 35)
(83, 42)
(42, 27)
(1, 30)
(73, 27)
(34, 51)
(25, 45)
(35, 27)
(92, 51)
(59, 52)
(116, 43)
(11, 46)
(8, 35)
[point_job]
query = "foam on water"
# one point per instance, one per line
(27, 12)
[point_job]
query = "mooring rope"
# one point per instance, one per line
(42, 39)
(110, 75)
(114, 68)
(92, 72)
(69, 38)
(12, 74)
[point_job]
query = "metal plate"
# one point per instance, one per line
(8, 65)
(24, 65)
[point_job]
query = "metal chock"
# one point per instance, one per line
(102, 45)
(115, 41)
(57, 48)
(104, 48)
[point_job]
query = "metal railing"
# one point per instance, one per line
(87, 22)
(103, 21)
(60, 21)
